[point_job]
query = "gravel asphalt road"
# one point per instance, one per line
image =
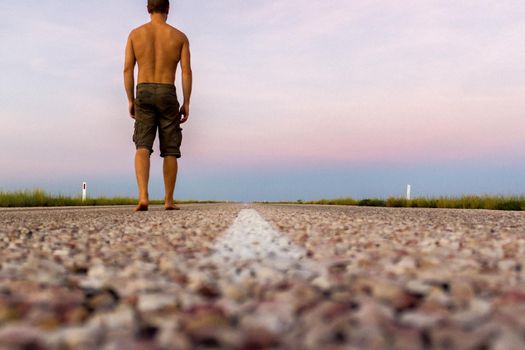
(232, 276)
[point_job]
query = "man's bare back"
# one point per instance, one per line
(157, 48)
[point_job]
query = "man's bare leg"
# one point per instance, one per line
(142, 164)
(170, 178)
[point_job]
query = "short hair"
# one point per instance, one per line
(159, 6)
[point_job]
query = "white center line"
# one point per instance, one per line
(251, 242)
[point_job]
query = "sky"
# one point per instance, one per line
(293, 99)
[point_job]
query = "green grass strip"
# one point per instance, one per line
(516, 203)
(40, 198)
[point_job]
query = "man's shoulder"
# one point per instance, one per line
(139, 29)
(178, 33)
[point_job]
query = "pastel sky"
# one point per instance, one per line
(293, 99)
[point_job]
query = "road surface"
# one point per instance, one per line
(231, 276)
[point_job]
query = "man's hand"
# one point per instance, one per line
(184, 113)
(131, 108)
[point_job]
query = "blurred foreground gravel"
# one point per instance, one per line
(364, 278)
(412, 278)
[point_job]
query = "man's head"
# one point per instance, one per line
(158, 6)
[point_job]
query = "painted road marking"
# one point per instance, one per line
(252, 241)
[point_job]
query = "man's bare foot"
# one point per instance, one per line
(142, 207)
(171, 207)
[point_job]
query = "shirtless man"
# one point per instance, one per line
(157, 48)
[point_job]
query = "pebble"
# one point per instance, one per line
(155, 302)
(419, 319)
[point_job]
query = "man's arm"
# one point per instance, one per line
(129, 78)
(187, 80)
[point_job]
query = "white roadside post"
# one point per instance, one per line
(84, 191)
(409, 189)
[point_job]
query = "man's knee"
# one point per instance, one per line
(171, 157)
(143, 151)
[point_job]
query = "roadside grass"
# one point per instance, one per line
(516, 203)
(40, 198)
